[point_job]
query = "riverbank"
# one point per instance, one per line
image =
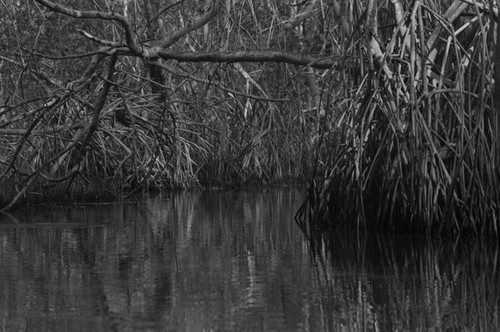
(109, 190)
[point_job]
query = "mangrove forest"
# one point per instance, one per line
(389, 110)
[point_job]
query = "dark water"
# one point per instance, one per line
(231, 260)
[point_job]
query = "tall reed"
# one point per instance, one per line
(417, 146)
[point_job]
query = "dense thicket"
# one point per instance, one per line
(387, 105)
(419, 131)
(85, 110)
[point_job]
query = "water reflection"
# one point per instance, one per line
(230, 260)
(406, 283)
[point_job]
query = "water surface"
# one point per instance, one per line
(230, 261)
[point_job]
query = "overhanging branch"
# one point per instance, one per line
(129, 33)
(171, 40)
(154, 49)
(251, 56)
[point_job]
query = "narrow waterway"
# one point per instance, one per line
(230, 261)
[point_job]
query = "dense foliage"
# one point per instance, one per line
(387, 105)
(419, 149)
(76, 120)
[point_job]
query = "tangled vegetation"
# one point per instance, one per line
(419, 147)
(388, 106)
(119, 102)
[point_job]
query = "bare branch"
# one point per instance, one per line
(153, 48)
(251, 56)
(300, 17)
(130, 36)
(196, 25)
(92, 127)
(98, 40)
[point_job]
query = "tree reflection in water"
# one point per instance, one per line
(407, 283)
(230, 260)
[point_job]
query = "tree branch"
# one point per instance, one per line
(129, 33)
(92, 127)
(98, 40)
(160, 49)
(251, 56)
(196, 25)
(147, 50)
(153, 48)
